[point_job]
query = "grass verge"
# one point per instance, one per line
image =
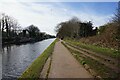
(100, 69)
(101, 50)
(33, 71)
(48, 71)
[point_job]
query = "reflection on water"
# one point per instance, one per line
(17, 58)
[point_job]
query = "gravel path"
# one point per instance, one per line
(64, 65)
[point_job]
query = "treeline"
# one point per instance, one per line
(12, 32)
(107, 35)
(74, 28)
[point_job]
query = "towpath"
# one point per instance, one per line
(64, 65)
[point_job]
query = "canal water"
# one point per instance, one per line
(16, 58)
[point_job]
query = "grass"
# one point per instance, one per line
(101, 69)
(105, 72)
(48, 71)
(33, 71)
(102, 50)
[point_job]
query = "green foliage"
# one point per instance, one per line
(33, 71)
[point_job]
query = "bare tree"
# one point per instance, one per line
(117, 14)
(116, 20)
(74, 28)
(9, 24)
(69, 28)
(33, 31)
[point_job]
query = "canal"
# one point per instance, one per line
(16, 58)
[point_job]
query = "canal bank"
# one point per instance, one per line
(17, 58)
(33, 71)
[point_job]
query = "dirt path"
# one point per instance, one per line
(64, 65)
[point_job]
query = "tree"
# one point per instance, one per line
(117, 15)
(85, 29)
(9, 25)
(24, 33)
(62, 29)
(33, 31)
(69, 28)
(74, 28)
(117, 20)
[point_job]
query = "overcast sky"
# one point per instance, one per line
(46, 15)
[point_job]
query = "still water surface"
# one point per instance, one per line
(17, 58)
